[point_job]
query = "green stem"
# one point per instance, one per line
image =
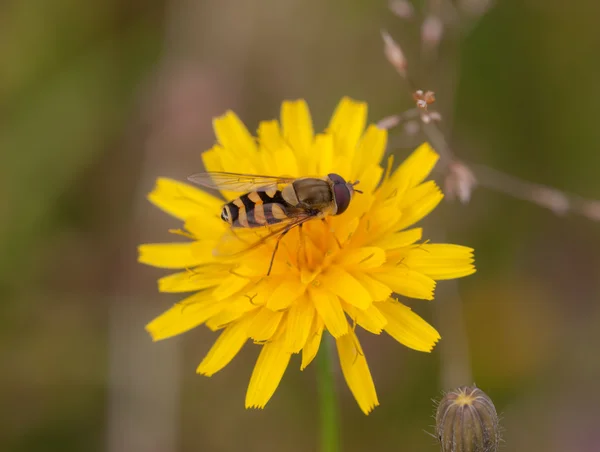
(328, 404)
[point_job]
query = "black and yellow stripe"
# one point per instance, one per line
(255, 209)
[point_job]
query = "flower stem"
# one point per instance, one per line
(328, 404)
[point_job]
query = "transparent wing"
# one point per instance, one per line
(240, 241)
(239, 182)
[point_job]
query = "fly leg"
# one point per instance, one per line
(332, 233)
(283, 233)
(300, 250)
(303, 245)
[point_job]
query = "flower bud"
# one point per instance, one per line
(466, 421)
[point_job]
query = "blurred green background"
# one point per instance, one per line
(98, 99)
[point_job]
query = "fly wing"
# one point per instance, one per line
(239, 182)
(242, 240)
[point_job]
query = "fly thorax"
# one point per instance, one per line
(312, 192)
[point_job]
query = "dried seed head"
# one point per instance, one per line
(423, 99)
(429, 97)
(402, 9)
(432, 31)
(389, 122)
(421, 104)
(466, 421)
(394, 53)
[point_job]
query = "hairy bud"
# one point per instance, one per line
(459, 182)
(466, 421)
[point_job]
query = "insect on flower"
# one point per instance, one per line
(283, 201)
(336, 262)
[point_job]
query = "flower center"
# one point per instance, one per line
(311, 248)
(307, 249)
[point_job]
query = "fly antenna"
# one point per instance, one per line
(353, 184)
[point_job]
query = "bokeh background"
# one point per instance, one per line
(97, 99)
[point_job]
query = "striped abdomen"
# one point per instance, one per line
(255, 209)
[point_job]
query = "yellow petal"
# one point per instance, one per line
(370, 149)
(312, 342)
(229, 343)
(406, 282)
(218, 158)
(208, 227)
(344, 285)
(235, 242)
(376, 289)
(284, 163)
(369, 178)
(270, 137)
(356, 372)
(297, 125)
(298, 327)
(259, 292)
(234, 310)
(418, 202)
(203, 250)
(287, 291)
(264, 324)
(344, 230)
(441, 261)
(329, 308)
(323, 147)
(364, 257)
(233, 135)
(185, 315)
(191, 280)
(417, 166)
(371, 319)
(212, 159)
(381, 221)
(267, 374)
(347, 125)
(182, 200)
(168, 255)
(400, 239)
(407, 327)
(276, 156)
(230, 286)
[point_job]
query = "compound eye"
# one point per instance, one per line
(342, 196)
(336, 178)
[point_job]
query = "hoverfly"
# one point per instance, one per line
(283, 201)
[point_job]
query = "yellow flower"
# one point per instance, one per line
(338, 274)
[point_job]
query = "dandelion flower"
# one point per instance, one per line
(334, 275)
